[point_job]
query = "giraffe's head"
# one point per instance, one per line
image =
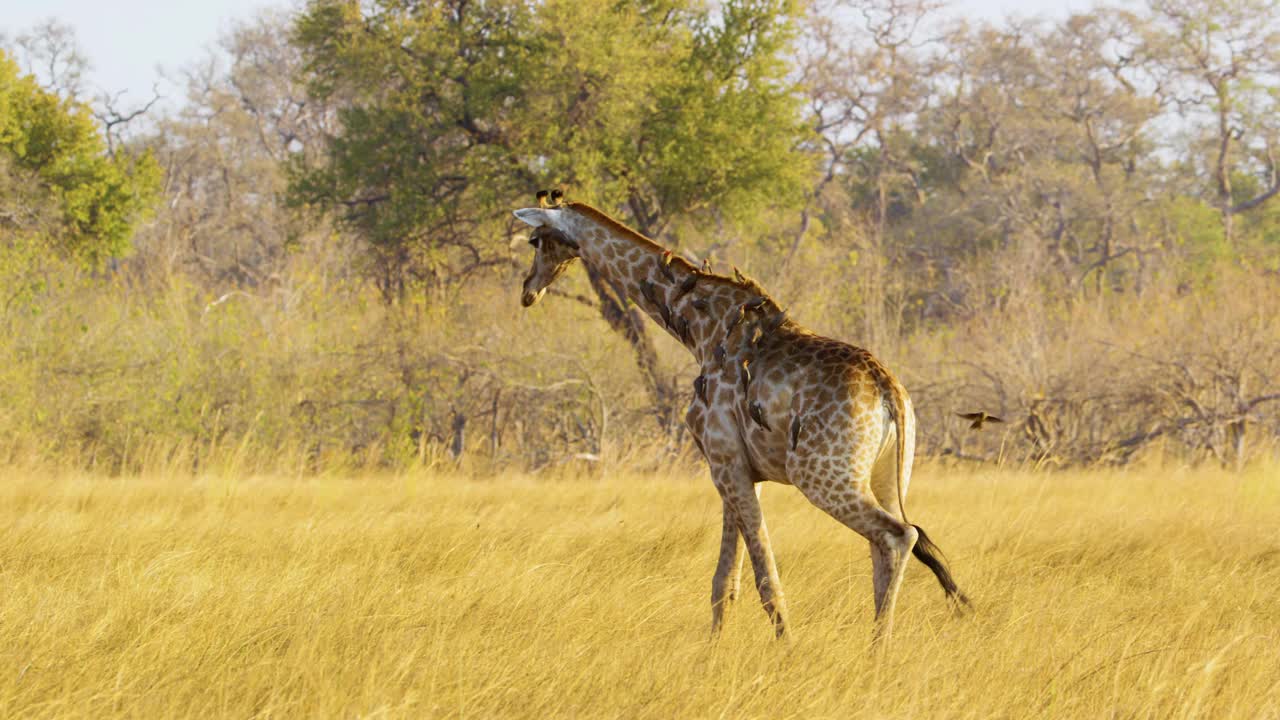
(553, 251)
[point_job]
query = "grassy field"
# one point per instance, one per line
(1152, 593)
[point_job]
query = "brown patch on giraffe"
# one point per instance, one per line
(698, 441)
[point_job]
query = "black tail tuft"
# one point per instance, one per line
(931, 555)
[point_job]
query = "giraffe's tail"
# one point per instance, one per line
(925, 550)
(931, 555)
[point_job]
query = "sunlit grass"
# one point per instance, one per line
(1140, 593)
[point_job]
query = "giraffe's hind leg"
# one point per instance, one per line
(885, 487)
(888, 565)
(850, 500)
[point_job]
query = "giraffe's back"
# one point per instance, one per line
(813, 404)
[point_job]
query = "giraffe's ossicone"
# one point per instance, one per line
(773, 401)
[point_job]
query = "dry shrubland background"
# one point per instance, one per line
(308, 261)
(1042, 226)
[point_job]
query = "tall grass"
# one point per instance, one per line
(1129, 593)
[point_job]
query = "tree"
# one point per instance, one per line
(225, 154)
(868, 79)
(1040, 151)
(1215, 62)
(457, 111)
(54, 142)
(51, 54)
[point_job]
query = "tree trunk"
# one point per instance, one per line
(1222, 170)
(1236, 439)
(458, 443)
(630, 323)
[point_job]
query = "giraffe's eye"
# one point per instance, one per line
(535, 242)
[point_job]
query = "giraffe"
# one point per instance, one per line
(773, 401)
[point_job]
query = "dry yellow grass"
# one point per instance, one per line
(1100, 594)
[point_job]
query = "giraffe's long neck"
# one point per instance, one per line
(691, 306)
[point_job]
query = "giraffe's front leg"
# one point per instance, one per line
(727, 581)
(742, 521)
(742, 500)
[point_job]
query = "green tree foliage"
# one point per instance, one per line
(456, 111)
(659, 109)
(87, 201)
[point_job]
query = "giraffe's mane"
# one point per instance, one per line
(747, 284)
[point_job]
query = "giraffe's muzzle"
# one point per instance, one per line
(530, 297)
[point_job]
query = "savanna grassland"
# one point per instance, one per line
(1127, 593)
(277, 439)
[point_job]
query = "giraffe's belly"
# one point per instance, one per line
(711, 420)
(763, 414)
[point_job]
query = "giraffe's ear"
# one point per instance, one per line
(537, 217)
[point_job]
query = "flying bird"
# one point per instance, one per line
(979, 419)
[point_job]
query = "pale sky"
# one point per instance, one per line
(127, 40)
